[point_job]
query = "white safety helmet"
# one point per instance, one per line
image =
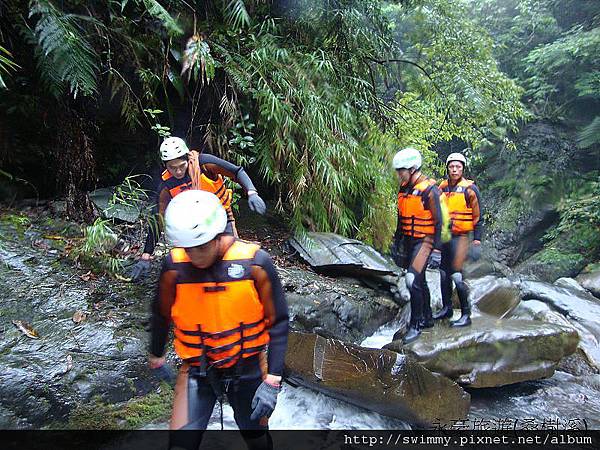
(173, 147)
(456, 157)
(407, 158)
(194, 218)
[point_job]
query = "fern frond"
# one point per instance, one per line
(236, 14)
(156, 10)
(6, 64)
(590, 135)
(63, 53)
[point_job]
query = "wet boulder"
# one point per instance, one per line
(65, 340)
(103, 200)
(591, 282)
(334, 254)
(580, 309)
(483, 267)
(494, 296)
(379, 380)
(339, 308)
(492, 352)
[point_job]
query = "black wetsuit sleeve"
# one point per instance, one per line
(477, 207)
(432, 203)
(218, 166)
(160, 319)
(273, 299)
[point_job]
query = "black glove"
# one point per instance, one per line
(397, 252)
(164, 373)
(475, 252)
(257, 204)
(140, 270)
(264, 401)
(435, 260)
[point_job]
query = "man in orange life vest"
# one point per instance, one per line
(464, 206)
(185, 169)
(419, 230)
(227, 305)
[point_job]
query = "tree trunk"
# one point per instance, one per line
(75, 161)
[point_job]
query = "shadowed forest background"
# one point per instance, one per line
(314, 97)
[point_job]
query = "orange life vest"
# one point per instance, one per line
(416, 221)
(457, 198)
(217, 312)
(216, 187)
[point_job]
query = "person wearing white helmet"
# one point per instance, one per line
(230, 317)
(185, 169)
(417, 240)
(464, 205)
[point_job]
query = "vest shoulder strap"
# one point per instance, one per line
(179, 255)
(166, 175)
(241, 250)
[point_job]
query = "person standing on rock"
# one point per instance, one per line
(184, 170)
(464, 206)
(418, 232)
(227, 305)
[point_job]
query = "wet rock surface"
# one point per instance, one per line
(343, 308)
(492, 352)
(494, 296)
(379, 380)
(91, 341)
(591, 282)
(335, 254)
(578, 309)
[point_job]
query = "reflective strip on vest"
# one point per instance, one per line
(217, 312)
(415, 220)
(460, 212)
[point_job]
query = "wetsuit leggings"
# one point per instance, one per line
(193, 405)
(418, 251)
(454, 254)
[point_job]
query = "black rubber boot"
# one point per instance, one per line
(465, 320)
(426, 323)
(412, 335)
(444, 313)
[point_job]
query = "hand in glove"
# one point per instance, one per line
(257, 204)
(435, 259)
(475, 250)
(164, 373)
(140, 270)
(264, 401)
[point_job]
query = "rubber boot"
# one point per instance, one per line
(444, 313)
(412, 335)
(465, 320)
(426, 323)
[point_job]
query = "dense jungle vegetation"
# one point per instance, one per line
(313, 96)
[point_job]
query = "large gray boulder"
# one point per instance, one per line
(85, 338)
(494, 296)
(492, 352)
(102, 199)
(580, 309)
(591, 282)
(342, 309)
(334, 254)
(379, 380)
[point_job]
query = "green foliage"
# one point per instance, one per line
(134, 414)
(581, 207)
(590, 135)
(161, 130)
(95, 249)
(155, 9)
(64, 54)
(6, 65)
(198, 63)
(457, 90)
